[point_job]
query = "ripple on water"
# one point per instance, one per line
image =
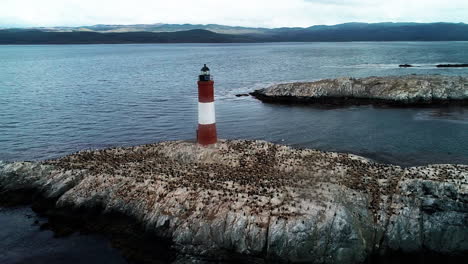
(456, 115)
(88, 96)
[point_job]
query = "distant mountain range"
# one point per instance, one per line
(156, 28)
(212, 33)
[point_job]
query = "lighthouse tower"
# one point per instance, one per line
(206, 132)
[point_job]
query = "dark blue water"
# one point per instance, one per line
(21, 241)
(55, 100)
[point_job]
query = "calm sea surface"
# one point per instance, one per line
(22, 241)
(55, 100)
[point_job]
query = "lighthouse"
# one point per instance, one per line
(206, 132)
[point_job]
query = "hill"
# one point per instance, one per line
(77, 37)
(377, 32)
(158, 27)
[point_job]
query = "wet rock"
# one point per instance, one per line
(241, 95)
(45, 226)
(405, 66)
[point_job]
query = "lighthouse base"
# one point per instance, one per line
(206, 134)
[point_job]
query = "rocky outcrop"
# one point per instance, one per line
(462, 65)
(392, 90)
(257, 199)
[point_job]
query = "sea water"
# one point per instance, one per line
(59, 99)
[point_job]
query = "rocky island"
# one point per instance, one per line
(410, 90)
(252, 201)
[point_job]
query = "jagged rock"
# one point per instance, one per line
(259, 199)
(391, 90)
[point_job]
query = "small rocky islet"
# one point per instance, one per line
(255, 200)
(457, 65)
(408, 90)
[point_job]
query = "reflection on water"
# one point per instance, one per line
(447, 114)
(22, 241)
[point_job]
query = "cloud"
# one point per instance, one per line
(264, 13)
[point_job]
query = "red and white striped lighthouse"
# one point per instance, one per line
(206, 133)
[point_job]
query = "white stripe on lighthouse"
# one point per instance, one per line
(206, 113)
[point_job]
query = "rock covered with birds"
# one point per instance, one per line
(262, 199)
(391, 90)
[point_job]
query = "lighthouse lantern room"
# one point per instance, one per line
(205, 74)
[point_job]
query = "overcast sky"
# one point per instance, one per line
(258, 13)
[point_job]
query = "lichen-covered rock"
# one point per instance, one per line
(260, 199)
(400, 90)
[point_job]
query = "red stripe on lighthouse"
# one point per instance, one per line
(207, 134)
(205, 92)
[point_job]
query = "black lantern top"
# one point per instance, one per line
(205, 74)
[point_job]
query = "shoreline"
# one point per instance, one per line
(353, 101)
(246, 200)
(230, 43)
(129, 237)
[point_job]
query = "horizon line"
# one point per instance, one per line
(214, 24)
